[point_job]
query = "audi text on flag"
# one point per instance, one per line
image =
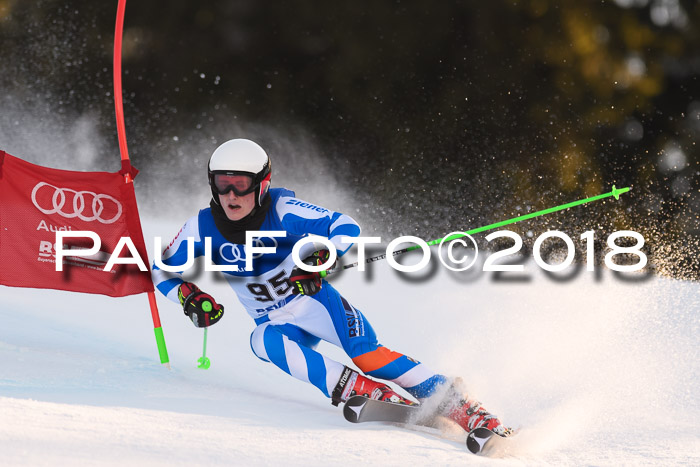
(36, 202)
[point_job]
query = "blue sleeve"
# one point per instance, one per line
(300, 218)
(176, 254)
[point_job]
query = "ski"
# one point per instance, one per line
(360, 409)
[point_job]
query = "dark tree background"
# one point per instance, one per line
(432, 116)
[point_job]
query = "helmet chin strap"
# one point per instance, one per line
(250, 214)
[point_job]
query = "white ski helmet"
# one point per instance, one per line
(240, 157)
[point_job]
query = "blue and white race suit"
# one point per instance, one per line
(289, 327)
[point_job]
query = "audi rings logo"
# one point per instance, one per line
(237, 254)
(86, 205)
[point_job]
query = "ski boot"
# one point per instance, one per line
(467, 413)
(352, 383)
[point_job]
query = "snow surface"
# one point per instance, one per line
(596, 371)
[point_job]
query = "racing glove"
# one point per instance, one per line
(306, 282)
(200, 307)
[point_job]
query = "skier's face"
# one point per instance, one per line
(237, 207)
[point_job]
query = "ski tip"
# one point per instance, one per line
(477, 439)
(353, 408)
(482, 441)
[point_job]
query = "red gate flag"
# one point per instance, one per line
(36, 201)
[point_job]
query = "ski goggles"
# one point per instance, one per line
(240, 184)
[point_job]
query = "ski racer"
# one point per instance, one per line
(294, 309)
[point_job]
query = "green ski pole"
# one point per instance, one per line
(204, 362)
(616, 192)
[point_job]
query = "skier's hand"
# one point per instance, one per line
(200, 307)
(309, 283)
